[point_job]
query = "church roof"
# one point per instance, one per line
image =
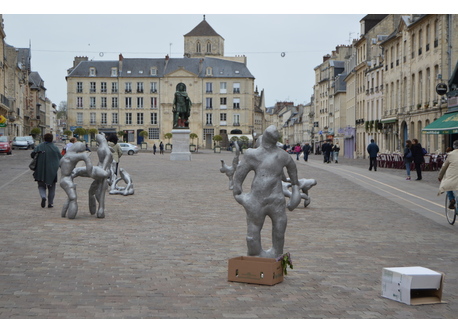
(202, 29)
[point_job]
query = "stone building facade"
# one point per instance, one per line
(132, 95)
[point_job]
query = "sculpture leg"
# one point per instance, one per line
(71, 205)
(92, 199)
(255, 221)
(100, 196)
(278, 234)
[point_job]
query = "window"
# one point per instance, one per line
(140, 87)
(153, 102)
(153, 118)
(103, 87)
(128, 102)
(79, 102)
(114, 71)
(92, 118)
(79, 87)
(153, 133)
(223, 103)
(114, 102)
(140, 118)
(79, 118)
(93, 88)
(209, 87)
(153, 71)
(236, 120)
(92, 71)
(236, 88)
(223, 87)
(153, 87)
(103, 118)
(129, 118)
(223, 119)
(198, 47)
(209, 117)
(209, 47)
(92, 102)
(140, 102)
(114, 87)
(209, 71)
(236, 103)
(128, 86)
(103, 102)
(114, 118)
(209, 103)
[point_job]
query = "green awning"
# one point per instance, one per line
(389, 120)
(447, 124)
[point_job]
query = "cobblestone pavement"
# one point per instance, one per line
(163, 252)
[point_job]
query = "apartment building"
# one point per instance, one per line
(418, 56)
(132, 95)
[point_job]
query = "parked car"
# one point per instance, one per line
(128, 148)
(20, 142)
(5, 145)
(31, 141)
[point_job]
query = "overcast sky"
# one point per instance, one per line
(56, 39)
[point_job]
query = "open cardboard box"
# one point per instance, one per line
(412, 285)
(257, 270)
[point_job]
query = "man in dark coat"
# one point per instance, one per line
(47, 166)
(306, 149)
(418, 157)
(326, 148)
(373, 150)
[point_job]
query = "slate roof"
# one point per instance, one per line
(140, 67)
(35, 81)
(202, 29)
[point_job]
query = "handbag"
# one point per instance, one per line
(33, 163)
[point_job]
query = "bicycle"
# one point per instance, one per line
(450, 213)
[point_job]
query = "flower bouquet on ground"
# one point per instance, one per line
(285, 260)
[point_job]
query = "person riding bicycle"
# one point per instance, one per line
(448, 175)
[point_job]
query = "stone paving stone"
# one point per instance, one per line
(162, 252)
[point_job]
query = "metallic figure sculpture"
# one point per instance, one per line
(230, 170)
(128, 189)
(304, 184)
(181, 107)
(266, 197)
(75, 153)
(100, 173)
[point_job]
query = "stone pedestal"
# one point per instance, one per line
(180, 149)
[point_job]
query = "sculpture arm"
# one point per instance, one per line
(295, 193)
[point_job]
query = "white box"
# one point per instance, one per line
(412, 285)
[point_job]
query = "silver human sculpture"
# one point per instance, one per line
(100, 173)
(128, 189)
(304, 184)
(230, 170)
(266, 197)
(74, 154)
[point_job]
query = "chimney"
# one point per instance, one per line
(77, 60)
(326, 57)
(121, 58)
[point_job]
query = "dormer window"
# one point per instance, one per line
(92, 71)
(153, 71)
(209, 71)
(114, 71)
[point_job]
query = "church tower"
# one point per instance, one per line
(203, 41)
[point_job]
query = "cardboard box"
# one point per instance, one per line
(257, 270)
(412, 285)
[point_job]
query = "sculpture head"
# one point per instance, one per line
(270, 136)
(181, 87)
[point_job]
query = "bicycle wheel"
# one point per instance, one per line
(449, 213)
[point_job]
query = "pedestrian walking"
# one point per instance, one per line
(306, 150)
(161, 148)
(408, 157)
(154, 148)
(46, 171)
(297, 151)
(373, 150)
(326, 148)
(112, 141)
(335, 151)
(418, 157)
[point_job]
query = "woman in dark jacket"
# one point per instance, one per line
(46, 171)
(408, 157)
